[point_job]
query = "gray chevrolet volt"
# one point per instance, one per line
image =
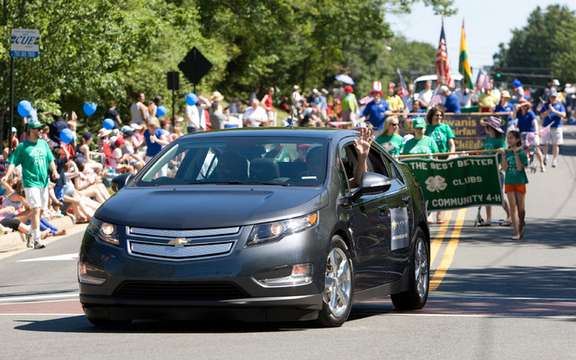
(257, 225)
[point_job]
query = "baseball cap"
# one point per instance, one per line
(14, 130)
(554, 93)
(419, 123)
(35, 124)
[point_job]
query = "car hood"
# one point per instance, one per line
(208, 207)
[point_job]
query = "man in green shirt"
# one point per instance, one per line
(35, 158)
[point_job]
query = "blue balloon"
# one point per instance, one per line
(108, 124)
(67, 136)
(160, 111)
(191, 99)
(24, 108)
(89, 108)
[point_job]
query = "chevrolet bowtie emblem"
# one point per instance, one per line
(179, 242)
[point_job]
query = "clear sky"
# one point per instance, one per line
(487, 22)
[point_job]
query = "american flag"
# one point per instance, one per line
(442, 65)
(483, 80)
(402, 84)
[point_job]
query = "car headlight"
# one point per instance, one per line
(104, 231)
(274, 231)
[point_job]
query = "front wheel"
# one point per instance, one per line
(419, 282)
(338, 285)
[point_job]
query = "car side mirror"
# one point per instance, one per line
(372, 183)
(120, 181)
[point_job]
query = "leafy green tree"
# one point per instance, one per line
(546, 42)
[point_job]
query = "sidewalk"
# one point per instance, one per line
(12, 242)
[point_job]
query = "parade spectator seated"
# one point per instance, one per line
(231, 167)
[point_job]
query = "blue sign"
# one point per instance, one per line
(25, 43)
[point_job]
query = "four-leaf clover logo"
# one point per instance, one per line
(436, 184)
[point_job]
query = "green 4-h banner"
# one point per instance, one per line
(457, 183)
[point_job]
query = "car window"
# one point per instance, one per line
(241, 160)
(376, 164)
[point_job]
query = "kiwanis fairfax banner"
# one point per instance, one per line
(457, 183)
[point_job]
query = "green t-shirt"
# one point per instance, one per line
(513, 176)
(423, 146)
(35, 159)
(391, 143)
(494, 143)
(440, 133)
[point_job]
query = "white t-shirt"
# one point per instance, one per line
(192, 116)
(425, 96)
(254, 117)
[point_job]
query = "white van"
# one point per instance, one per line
(420, 82)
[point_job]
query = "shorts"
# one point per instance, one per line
(11, 223)
(519, 188)
(555, 136)
(37, 197)
(530, 139)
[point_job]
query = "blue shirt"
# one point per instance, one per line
(153, 148)
(526, 121)
(375, 113)
(553, 118)
(452, 104)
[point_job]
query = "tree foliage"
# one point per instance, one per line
(103, 50)
(546, 43)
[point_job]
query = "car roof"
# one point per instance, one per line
(325, 133)
(455, 76)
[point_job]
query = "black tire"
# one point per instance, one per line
(413, 299)
(108, 324)
(326, 317)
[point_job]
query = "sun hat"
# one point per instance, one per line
(555, 82)
(505, 94)
(494, 122)
(216, 96)
(104, 132)
(419, 123)
(136, 126)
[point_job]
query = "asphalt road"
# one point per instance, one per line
(493, 298)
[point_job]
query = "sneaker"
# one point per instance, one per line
(554, 163)
(40, 244)
(545, 160)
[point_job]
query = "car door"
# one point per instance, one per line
(369, 222)
(401, 213)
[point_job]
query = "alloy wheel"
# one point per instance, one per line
(338, 282)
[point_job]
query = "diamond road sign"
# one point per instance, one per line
(25, 43)
(195, 66)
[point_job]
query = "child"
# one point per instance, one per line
(514, 162)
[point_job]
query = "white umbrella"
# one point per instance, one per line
(345, 79)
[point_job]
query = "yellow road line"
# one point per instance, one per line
(437, 241)
(450, 251)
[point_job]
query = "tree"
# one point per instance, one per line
(545, 44)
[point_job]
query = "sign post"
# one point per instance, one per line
(24, 43)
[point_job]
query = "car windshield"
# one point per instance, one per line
(286, 161)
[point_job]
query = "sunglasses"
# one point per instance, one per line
(395, 124)
(438, 115)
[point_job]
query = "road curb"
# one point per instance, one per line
(12, 243)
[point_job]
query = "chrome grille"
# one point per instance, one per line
(180, 245)
(182, 252)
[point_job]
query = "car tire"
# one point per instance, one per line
(109, 324)
(337, 296)
(419, 278)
